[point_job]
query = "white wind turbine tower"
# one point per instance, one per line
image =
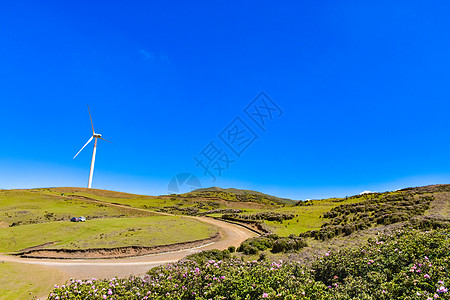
(94, 136)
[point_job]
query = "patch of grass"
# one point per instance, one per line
(105, 233)
(306, 218)
(25, 281)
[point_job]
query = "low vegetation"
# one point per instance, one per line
(409, 264)
(272, 242)
(269, 216)
(383, 210)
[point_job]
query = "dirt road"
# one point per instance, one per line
(232, 235)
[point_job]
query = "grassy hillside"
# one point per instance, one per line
(195, 203)
(104, 233)
(327, 218)
(237, 195)
(40, 217)
(22, 207)
(324, 218)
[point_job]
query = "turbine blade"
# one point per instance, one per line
(92, 123)
(105, 140)
(83, 146)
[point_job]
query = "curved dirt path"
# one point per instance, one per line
(232, 235)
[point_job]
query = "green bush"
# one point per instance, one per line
(272, 241)
(208, 255)
(269, 216)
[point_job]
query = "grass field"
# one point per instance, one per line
(132, 200)
(30, 218)
(24, 281)
(20, 207)
(113, 226)
(105, 233)
(155, 203)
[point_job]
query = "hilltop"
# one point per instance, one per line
(231, 194)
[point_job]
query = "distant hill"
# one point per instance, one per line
(90, 192)
(232, 194)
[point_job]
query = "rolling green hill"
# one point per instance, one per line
(231, 194)
(41, 218)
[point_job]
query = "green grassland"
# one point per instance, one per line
(30, 218)
(153, 203)
(306, 217)
(105, 233)
(132, 200)
(187, 204)
(21, 207)
(25, 281)
(36, 217)
(114, 226)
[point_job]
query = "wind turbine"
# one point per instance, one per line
(94, 136)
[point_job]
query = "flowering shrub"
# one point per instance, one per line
(232, 279)
(406, 265)
(409, 264)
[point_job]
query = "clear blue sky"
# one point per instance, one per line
(363, 87)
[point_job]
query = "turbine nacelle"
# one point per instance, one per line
(97, 135)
